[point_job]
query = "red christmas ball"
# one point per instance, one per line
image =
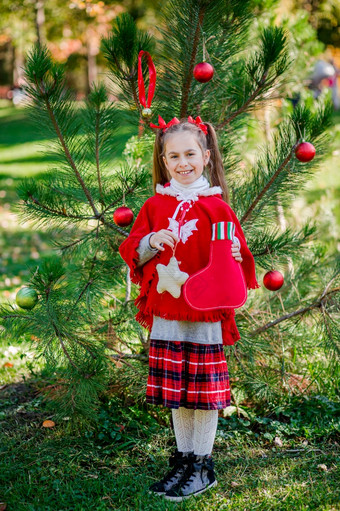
(123, 216)
(273, 280)
(305, 151)
(203, 72)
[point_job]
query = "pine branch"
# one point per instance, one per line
(189, 76)
(264, 68)
(315, 305)
(131, 356)
(114, 227)
(285, 162)
(69, 358)
(274, 242)
(134, 95)
(129, 191)
(58, 212)
(130, 77)
(81, 343)
(88, 283)
(69, 158)
(250, 99)
(76, 242)
(97, 155)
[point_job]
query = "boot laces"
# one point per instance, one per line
(193, 468)
(177, 465)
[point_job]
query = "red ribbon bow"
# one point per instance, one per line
(152, 79)
(162, 124)
(199, 123)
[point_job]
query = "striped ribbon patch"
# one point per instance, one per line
(223, 231)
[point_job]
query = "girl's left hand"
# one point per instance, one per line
(235, 252)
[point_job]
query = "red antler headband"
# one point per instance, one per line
(199, 123)
(152, 85)
(164, 126)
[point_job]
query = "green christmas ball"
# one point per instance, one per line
(26, 298)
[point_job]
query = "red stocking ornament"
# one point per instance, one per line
(221, 284)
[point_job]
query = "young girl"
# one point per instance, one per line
(170, 241)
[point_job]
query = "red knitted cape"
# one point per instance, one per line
(192, 255)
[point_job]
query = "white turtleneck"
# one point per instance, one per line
(192, 189)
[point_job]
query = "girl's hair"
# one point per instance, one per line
(216, 175)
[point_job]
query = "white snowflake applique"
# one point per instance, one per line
(186, 229)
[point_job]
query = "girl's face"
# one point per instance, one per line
(184, 158)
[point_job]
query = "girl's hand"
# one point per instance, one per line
(235, 252)
(162, 237)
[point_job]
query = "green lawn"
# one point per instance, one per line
(112, 465)
(47, 469)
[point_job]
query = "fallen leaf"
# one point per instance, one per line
(278, 441)
(234, 484)
(323, 467)
(48, 424)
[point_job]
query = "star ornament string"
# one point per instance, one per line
(170, 277)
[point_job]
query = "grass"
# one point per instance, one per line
(47, 469)
(112, 465)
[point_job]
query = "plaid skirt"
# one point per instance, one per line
(187, 374)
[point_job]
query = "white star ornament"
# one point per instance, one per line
(171, 278)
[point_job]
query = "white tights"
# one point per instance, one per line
(195, 430)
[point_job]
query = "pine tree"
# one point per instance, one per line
(84, 320)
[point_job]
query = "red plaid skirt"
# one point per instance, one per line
(187, 374)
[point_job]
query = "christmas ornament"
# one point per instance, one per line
(273, 280)
(26, 298)
(146, 104)
(221, 284)
(305, 151)
(203, 72)
(146, 113)
(171, 278)
(123, 216)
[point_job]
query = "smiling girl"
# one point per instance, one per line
(168, 244)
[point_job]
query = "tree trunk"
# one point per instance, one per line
(92, 50)
(18, 64)
(40, 21)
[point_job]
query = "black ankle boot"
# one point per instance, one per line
(198, 477)
(179, 461)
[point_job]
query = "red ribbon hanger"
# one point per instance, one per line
(152, 79)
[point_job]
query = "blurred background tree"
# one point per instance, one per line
(72, 30)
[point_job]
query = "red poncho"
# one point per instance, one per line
(193, 255)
